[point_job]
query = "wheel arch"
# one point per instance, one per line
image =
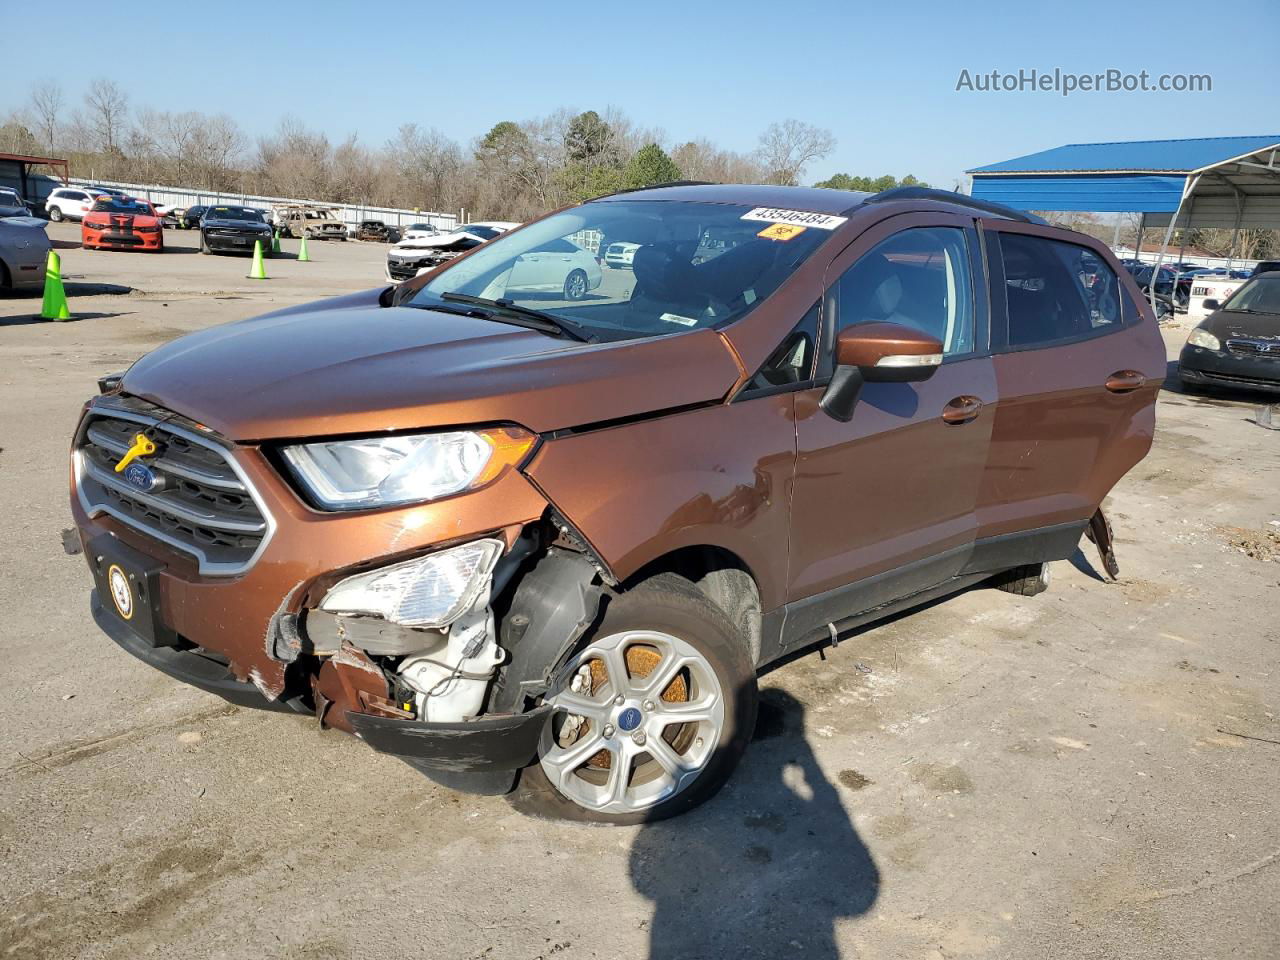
(720, 575)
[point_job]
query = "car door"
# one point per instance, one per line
(543, 269)
(1077, 366)
(883, 505)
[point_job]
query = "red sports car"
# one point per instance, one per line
(122, 223)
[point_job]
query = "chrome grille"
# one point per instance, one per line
(1269, 349)
(201, 504)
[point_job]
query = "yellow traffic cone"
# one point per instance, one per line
(259, 271)
(55, 296)
(302, 251)
(275, 242)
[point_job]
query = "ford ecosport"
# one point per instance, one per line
(519, 537)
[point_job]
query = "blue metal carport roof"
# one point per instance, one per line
(1144, 176)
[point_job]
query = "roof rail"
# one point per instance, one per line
(947, 196)
(656, 186)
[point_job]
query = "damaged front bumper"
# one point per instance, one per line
(491, 742)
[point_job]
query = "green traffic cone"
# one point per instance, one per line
(302, 251)
(55, 297)
(259, 271)
(275, 242)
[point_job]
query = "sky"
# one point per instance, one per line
(881, 76)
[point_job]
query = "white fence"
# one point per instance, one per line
(346, 212)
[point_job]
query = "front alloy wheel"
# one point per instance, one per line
(637, 724)
(651, 715)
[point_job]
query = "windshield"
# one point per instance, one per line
(9, 197)
(1261, 295)
(419, 226)
(695, 265)
(120, 205)
(318, 215)
(234, 213)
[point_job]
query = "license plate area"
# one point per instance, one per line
(128, 583)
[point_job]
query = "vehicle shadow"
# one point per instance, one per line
(768, 867)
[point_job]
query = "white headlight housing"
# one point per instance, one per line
(385, 471)
(1200, 337)
(431, 591)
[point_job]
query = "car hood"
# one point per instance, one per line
(1233, 323)
(349, 366)
(439, 240)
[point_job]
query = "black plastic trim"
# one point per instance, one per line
(491, 742)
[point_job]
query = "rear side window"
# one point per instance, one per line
(919, 278)
(1056, 291)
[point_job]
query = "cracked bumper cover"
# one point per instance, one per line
(492, 742)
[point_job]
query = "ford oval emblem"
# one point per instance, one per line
(141, 476)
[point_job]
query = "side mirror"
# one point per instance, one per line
(877, 353)
(1212, 305)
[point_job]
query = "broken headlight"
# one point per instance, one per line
(1200, 337)
(386, 471)
(431, 591)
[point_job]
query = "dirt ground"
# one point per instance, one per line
(1089, 773)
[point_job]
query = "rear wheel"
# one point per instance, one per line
(652, 713)
(575, 285)
(1026, 581)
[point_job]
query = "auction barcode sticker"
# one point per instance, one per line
(798, 218)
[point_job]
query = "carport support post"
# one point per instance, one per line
(1164, 247)
(1235, 231)
(1137, 244)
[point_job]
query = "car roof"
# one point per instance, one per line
(816, 199)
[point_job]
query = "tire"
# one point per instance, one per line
(55, 214)
(669, 616)
(1028, 580)
(575, 285)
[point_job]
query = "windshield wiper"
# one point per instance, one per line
(546, 322)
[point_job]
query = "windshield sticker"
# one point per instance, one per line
(676, 318)
(798, 218)
(780, 231)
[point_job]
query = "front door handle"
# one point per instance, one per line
(962, 410)
(1125, 381)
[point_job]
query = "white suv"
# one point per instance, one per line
(68, 203)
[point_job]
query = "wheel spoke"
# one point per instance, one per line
(615, 664)
(582, 705)
(664, 756)
(619, 775)
(565, 760)
(693, 711)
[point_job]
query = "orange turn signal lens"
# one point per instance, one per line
(510, 447)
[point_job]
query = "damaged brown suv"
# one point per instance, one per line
(523, 540)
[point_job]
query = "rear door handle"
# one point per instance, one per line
(1125, 381)
(962, 410)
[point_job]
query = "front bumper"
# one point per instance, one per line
(124, 241)
(236, 243)
(489, 743)
(1222, 368)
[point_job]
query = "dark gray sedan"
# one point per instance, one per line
(1238, 345)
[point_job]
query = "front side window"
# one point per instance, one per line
(919, 278)
(670, 285)
(1056, 290)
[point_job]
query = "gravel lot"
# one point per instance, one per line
(1089, 773)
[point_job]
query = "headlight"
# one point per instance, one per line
(384, 471)
(1200, 337)
(431, 591)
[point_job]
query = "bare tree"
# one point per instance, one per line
(788, 147)
(108, 109)
(46, 99)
